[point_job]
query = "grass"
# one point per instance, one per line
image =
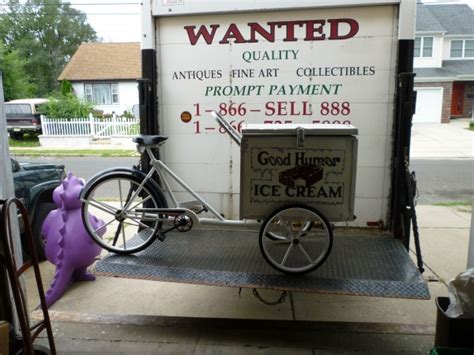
(28, 141)
(32, 141)
(452, 203)
(462, 206)
(73, 152)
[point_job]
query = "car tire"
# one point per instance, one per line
(42, 212)
(18, 136)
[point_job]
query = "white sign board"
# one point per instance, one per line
(325, 65)
(298, 165)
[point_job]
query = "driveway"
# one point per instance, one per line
(442, 141)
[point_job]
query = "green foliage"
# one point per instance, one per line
(32, 152)
(66, 87)
(66, 106)
(16, 84)
(46, 33)
(127, 114)
(29, 141)
(452, 203)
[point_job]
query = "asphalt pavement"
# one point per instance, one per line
(113, 315)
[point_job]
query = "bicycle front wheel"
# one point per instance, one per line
(128, 211)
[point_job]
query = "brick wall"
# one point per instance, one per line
(447, 91)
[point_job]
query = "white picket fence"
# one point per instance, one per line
(98, 128)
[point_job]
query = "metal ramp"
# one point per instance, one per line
(361, 263)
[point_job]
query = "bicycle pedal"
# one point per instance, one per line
(193, 205)
(198, 209)
(161, 236)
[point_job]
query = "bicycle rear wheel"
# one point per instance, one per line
(130, 221)
(295, 239)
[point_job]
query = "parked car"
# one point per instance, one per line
(23, 116)
(34, 186)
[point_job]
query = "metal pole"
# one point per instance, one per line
(7, 190)
(470, 252)
(148, 83)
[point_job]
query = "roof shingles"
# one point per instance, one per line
(451, 69)
(104, 61)
(456, 19)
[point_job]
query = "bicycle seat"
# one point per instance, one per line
(147, 139)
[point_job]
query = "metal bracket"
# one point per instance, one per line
(300, 137)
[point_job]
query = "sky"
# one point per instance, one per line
(119, 20)
(113, 20)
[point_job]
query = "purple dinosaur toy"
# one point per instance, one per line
(68, 245)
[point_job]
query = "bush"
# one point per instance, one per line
(127, 114)
(66, 106)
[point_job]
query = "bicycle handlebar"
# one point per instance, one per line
(236, 136)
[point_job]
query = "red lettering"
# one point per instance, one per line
(256, 28)
(290, 29)
(202, 32)
(353, 28)
(313, 27)
(270, 108)
(312, 30)
(233, 32)
(282, 108)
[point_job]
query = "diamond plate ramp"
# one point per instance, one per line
(359, 264)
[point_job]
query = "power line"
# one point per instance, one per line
(72, 4)
(104, 3)
(82, 4)
(112, 13)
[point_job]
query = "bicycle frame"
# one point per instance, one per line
(162, 170)
(282, 238)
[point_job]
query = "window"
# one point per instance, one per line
(17, 109)
(423, 47)
(88, 92)
(462, 48)
(101, 94)
(114, 88)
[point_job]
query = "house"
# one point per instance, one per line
(106, 74)
(444, 62)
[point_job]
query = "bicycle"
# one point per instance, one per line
(294, 239)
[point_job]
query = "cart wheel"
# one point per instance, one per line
(295, 239)
(273, 235)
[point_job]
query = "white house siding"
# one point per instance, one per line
(447, 46)
(447, 49)
(128, 96)
(436, 60)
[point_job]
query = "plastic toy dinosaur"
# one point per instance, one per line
(68, 246)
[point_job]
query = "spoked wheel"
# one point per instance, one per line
(295, 239)
(130, 224)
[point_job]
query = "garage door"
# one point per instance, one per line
(429, 102)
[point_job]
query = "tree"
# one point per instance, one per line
(16, 84)
(66, 88)
(46, 33)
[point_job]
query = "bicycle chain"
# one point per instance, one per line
(270, 303)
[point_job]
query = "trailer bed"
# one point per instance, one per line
(362, 262)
